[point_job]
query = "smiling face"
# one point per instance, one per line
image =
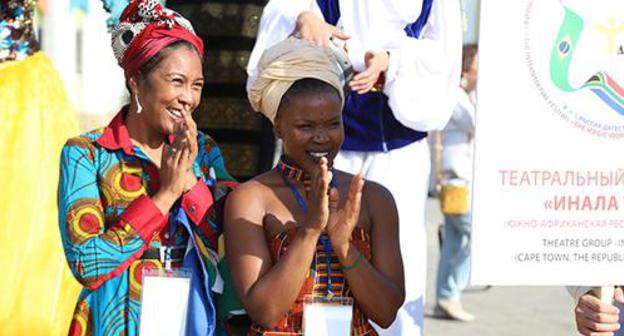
(172, 87)
(309, 122)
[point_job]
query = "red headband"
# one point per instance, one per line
(152, 40)
(161, 31)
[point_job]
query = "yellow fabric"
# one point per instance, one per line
(454, 199)
(37, 289)
(286, 62)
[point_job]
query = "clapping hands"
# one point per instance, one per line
(176, 170)
(341, 222)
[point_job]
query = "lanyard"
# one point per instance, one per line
(324, 240)
(165, 251)
(211, 182)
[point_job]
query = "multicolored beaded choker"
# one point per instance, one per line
(294, 173)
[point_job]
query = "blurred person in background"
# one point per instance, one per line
(456, 174)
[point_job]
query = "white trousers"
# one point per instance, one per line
(405, 172)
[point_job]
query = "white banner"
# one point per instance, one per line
(548, 201)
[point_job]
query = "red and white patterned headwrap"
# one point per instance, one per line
(145, 27)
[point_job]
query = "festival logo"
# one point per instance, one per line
(575, 56)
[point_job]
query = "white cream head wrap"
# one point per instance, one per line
(291, 60)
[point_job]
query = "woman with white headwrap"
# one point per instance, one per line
(408, 55)
(310, 230)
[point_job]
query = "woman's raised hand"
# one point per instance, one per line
(312, 28)
(318, 198)
(188, 136)
(176, 167)
(341, 222)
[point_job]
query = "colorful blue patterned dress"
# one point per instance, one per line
(112, 230)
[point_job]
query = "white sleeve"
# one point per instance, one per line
(577, 291)
(406, 11)
(423, 75)
(278, 21)
(464, 113)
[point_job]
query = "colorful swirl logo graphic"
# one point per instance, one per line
(574, 54)
(601, 84)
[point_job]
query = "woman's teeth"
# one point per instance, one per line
(318, 155)
(177, 114)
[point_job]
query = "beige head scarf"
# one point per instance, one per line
(287, 62)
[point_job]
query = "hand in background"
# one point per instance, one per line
(376, 63)
(596, 318)
(312, 28)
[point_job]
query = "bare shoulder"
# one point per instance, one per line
(254, 192)
(381, 207)
(251, 186)
(248, 191)
(375, 195)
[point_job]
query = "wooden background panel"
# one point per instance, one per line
(227, 113)
(229, 28)
(226, 66)
(240, 159)
(223, 19)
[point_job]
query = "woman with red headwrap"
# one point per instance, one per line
(139, 193)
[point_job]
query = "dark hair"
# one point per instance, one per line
(469, 52)
(308, 86)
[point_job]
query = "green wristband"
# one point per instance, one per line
(355, 265)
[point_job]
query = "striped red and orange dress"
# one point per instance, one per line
(316, 285)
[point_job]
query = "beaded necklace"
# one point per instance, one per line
(293, 173)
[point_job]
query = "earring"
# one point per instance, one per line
(139, 107)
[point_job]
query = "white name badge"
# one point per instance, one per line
(164, 302)
(327, 316)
